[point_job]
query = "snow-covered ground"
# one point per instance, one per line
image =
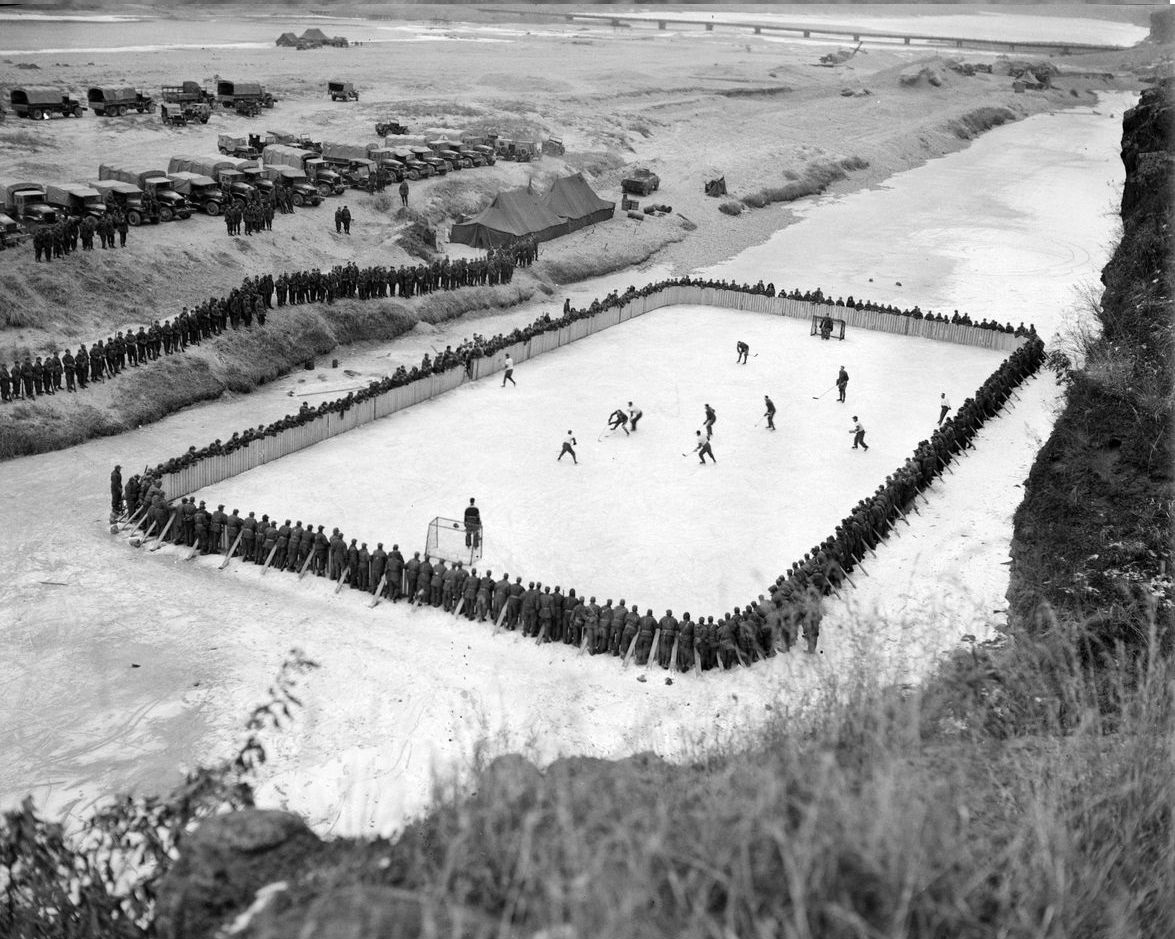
(120, 665)
(636, 518)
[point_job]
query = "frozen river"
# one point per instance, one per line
(120, 667)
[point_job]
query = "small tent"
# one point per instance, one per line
(514, 214)
(314, 34)
(570, 197)
(287, 39)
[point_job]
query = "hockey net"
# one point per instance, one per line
(830, 325)
(451, 540)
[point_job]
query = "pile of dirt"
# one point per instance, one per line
(921, 76)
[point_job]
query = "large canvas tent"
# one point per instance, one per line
(514, 214)
(572, 198)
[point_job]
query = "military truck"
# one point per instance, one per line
(26, 203)
(172, 205)
(350, 160)
(11, 232)
(519, 151)
(483, 144)
(187, 93)
(75, 200)
(232, 181)
(325, 179)
(302, 191)
(202, 192)
(388, 165)
(341, 91)
(301, 141)
(641, 182)
(252, 173)
(40, 102)
(553, 146)
(474, 155)
(234, 146)
(230, 94)
(125, 196)
(447, 150)
(119, 100)
(414, 168)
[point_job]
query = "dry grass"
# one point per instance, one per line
(975, 122)
(815, 178)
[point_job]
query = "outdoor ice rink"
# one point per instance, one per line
(636, 519)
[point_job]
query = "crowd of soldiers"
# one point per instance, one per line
(60, 239)
(771, 624)
(255, 216)
(818, 296)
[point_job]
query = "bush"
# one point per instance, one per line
(731, 208)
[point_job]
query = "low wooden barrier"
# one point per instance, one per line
(214, 469)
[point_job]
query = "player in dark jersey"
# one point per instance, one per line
(743, 350)
(472, 525)
(618, 419)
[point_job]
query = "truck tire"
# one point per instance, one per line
(165, 213)
(324, 189)
(212, 207)
(298, 199)
(134, 219)
(36, 114)
(413, 175)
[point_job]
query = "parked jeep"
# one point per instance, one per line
(390, 127)
(241, 147)
(641, 182)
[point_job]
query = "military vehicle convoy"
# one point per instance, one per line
(117, 101)
(40, 102)
(317, 170)
(171, 204)
(302, 191)
(202, 192)
(230, 94)
(126, 196)
(187, 93)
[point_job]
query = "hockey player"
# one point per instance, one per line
(858, 433)
(842, 382)
(702, 448)
(770, 412)
(634, 415)
(711, 417)
(568, 447)
(743, 350)
(944, 407)
(618, 419)
(508, 376)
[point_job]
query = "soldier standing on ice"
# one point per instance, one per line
(944, 407)
(711, 417)
(842, 382)
(743, 350)
(770, 412)
(472, 525)
(509, 375)
(702, 449)
(634, 415)
(568, 447)
(858, 433)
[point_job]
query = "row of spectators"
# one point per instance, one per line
(758, 630)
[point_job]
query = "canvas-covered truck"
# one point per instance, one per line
(11, 231)
(202, 192)
(415, 168)
(76, 200)
(425, 155)
(187, 93)
(231, 94)
(302, 191)
(252, 173)
(232, 181)
(341, 91)
(325, 179)
(115, 101)
(26, 203)
(125, 196)
(40, 102)
(234, 146)
(387, 164)
(172, 205)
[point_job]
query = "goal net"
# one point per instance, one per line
(451, 540)
(827, 327)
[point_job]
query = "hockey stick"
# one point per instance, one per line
(342, 579)
(697, 661)
(460, 606)
(378, 590)
(849, 579)
(163, 534)
(268, 559)
(673, 653)
(583, 646)
(231, 551)
(822, 394)
(131, 523)
(195, 550)
(501, 616)
(653, 648)
(631, 649)
(148, 535)
(305, 565)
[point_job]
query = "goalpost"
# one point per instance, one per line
(827, 327)
(451, 540)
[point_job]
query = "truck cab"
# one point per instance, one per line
(473, 155)
(201, 192)
(425, 155)
(302, 191)
(235, 184)
(326, 180)
(240, 147)
(26, 203)
(74, 200)
(414, 168)
(386, 164)
(172, 204)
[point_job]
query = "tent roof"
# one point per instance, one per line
(314, 34)
(571, 197)
(514, 213)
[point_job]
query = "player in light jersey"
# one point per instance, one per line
(568, 447)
